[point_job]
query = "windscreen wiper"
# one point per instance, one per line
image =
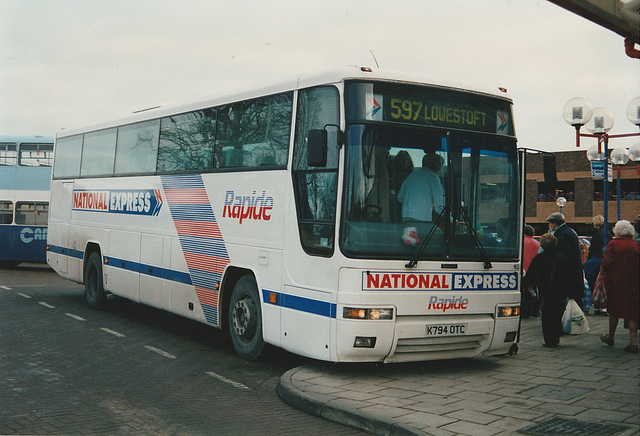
(416, 256)
(485, 258)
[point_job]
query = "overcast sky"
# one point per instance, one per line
(70, 63)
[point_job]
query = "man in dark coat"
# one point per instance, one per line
(547, 273)
(569, 246)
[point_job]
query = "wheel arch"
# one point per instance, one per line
(92, 247)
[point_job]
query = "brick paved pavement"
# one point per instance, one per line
(66, 369)
(581, 387)
(62, 375)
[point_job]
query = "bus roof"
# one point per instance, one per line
(305, 80)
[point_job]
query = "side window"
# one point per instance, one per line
(32, 214)
(137, 148)
(255, 133)
(316, 188)
(36, 155)
(186, 142)
(6, 212)
(68, 152)
(8, 154)
(98, 153)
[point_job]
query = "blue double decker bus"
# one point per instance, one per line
(25, 181)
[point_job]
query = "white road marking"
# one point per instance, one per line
(235, 384)
(160, 352)
(79, 318)
(112, 332)
(46, 305)
(8, 288)
(24, 295)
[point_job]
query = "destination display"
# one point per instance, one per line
(429, 106)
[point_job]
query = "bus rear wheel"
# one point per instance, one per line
(245, 319)
(93, 289)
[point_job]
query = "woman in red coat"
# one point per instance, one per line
(621, 265)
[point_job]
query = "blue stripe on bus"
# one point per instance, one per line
(78, 254)
(204, 252)
(149, 270)
(192, 212)
(210, 312)
(204, 279)
(203, 245)
(184, 181)
(303, 304)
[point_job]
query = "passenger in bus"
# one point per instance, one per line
(547, 273)
(400, 166)
(422, 193)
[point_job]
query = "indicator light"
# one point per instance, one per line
(506, 311)
(361, 313)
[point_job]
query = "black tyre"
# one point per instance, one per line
(93, 288)
(245, 319)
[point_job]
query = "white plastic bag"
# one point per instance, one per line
(573, 321)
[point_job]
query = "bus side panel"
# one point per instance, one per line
(271, 316)
(78, 237)
(57, 235)
(58, 232)
(266, 265)
(314, 280)
(269, 276)
(250, 208)
(151, 261)
(183, 299)
(23, 243)
(306, 322)
(123, 265)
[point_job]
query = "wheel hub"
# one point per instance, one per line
(241, 317)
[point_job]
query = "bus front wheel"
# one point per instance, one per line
(245, 319)
(93, 288)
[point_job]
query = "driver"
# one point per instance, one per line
(421, 193)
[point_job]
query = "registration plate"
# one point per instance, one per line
(446, 330)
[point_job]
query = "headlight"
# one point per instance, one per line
(504, 311)
(358, 313)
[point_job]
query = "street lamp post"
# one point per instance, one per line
(577, 112)
(620, 156)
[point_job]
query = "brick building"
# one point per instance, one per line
(584, 194)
